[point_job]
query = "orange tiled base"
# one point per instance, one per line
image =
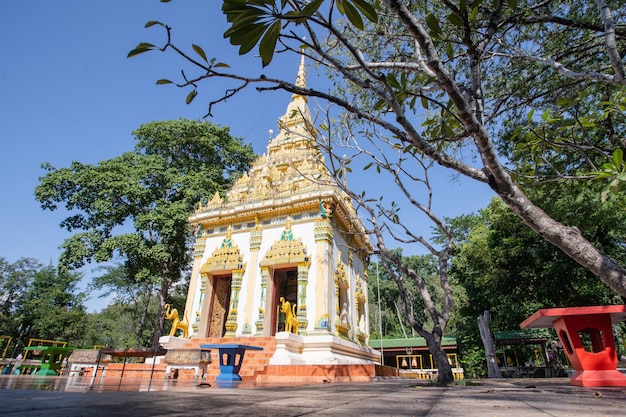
(318, 374)
(256, 367)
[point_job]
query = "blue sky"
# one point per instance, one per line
(68, 92)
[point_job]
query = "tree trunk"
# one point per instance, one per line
(484, 320)
(144, 314)
(444, 369)
(158, 328)
(399, 319)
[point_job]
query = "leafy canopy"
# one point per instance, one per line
(135, 207)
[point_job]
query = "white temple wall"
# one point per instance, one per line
(321, 275)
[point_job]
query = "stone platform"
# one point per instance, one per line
(398, 397)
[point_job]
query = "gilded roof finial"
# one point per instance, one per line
(300, 80)
(301, 77)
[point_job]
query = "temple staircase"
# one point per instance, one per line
(255, 362)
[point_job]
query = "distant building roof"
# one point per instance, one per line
(521, 337)
(412, 342)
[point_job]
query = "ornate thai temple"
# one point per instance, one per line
(284, 255)
(279, 271)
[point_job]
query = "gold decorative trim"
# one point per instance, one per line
(199, 247)
(287, 250)
(225, 258)
(341, 276)
(323, 231)
(359, 293)
(256, 238)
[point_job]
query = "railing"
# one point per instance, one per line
(412, 366)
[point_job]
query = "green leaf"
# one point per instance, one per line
(221, 65)
(268, 43)
(252, 38)
(380, 104)
(618, 156)
(141, 48)
(391, 79)
(152, 23)
(512, 4)
(340, 6)
(311, 8)
(191, 96)
(455, 19)
(353, 15)
(199, 51)
(433, 24)
(424, 102)
(449, 51)
(608, 167)
(163, 81)
(368, 11)
(474, 14)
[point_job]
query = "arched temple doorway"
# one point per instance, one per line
(286, 286)
(219, 304)
(223, 271)
(285, 271)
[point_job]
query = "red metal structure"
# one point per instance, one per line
(593, 325)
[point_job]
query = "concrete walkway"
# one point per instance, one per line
(397, 397)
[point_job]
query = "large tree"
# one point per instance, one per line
(135, 207)
(133, 298)
(423, 83)
(392, 319)
(507, 269)
(15, 277)
(125, 322)
(511, 272)
(41, 302)
(53, 307)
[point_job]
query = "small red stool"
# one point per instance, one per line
(597, 368)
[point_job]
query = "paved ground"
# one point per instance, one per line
(397, 397)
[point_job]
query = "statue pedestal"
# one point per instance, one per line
(322, 349)
(172, 342)
(195, 359)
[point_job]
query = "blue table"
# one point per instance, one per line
(230, 358)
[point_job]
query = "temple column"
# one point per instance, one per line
(324, 233)
(235, 287)
(253, 280)
(198, 313)
(260, 323)
(203, 326)
(303, 280)
(195, 282)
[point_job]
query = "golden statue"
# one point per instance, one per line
(291, 320)
(177, 324)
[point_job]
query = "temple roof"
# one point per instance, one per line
(291, 175)
(292, 164)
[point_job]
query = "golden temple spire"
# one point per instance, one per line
(300, 80)
(301, 77)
